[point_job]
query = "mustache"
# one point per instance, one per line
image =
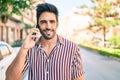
(48, 29)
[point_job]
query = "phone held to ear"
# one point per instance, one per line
(35, 33)
(37, 26)
(34, 38)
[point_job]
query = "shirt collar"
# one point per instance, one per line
(60, 41)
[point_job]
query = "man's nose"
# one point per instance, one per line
(48, 25)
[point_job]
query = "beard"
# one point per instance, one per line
(46, 35)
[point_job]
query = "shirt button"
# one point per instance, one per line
(48, 60)
(47, 72)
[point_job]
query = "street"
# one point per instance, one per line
(96, 67)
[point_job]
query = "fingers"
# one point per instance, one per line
(34, 30)
(34, 34)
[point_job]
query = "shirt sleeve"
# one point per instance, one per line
(77, 67)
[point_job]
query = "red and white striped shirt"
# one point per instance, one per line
(63, 63)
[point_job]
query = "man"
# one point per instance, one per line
(49, 57)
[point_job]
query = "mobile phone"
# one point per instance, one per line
(37, 26)
(34, 37)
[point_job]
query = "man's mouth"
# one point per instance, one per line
(48, 30)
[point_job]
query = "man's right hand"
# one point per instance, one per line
(32, 37)
(15, 69)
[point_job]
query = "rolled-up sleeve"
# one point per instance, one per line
(77, 67)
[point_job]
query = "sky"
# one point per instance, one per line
(65, 6)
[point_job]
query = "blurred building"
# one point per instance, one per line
(11, 28)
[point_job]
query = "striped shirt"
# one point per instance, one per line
(63, 63)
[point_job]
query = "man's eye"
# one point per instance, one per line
(52, 21)
(43, 21)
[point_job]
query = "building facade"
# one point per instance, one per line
(11, 28)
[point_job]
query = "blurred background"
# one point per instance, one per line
(92, 24)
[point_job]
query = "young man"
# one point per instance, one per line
(49, 57)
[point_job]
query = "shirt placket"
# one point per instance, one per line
(47, 69)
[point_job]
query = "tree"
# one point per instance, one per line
(105, 16)
(9, 7)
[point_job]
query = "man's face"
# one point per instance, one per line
(48, 25)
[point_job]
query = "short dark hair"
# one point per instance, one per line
(46, 7)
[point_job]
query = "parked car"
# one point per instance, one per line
(6, 56)
(5, 50)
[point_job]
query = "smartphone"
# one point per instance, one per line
(34, 39)
(35, 33)
(37, 26)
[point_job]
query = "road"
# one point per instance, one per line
(99, 67)
(96, 67)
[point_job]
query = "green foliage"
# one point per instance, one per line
(17, 43)
(106, 22)
(115, 22)
(114, 53)
(106, 7)
(103, 51)
(84, 6)
(102, 11)
(115, 40)
(14, 6)
(27, 26)
(101, 22)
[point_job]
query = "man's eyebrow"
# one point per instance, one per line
(43, 20)
(47, 20)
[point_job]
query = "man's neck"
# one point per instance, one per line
(50, 42)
